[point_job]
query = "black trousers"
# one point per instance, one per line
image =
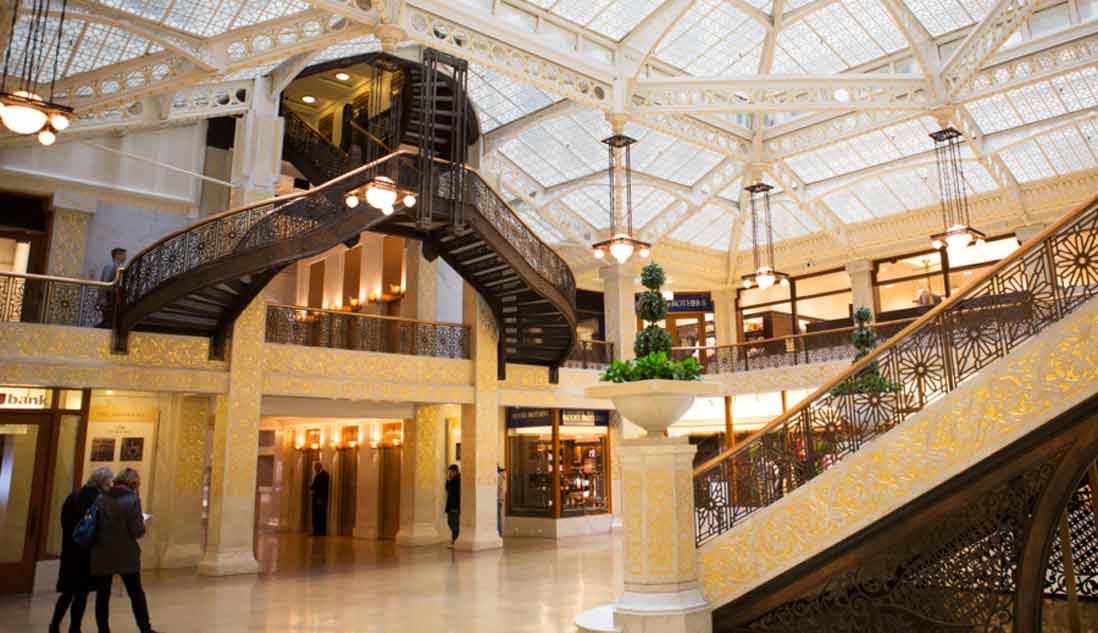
(320, 517)
(453, 519)
(137, 601)
(78, 600)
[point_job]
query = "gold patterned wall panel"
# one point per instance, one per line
(661, 529)
(632, 484)
(528, 386)
(426, 446)
(68, 236)
(245, 394)
(1008, 399)
(191, 448)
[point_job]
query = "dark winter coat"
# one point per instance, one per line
(73, 575)
(319, 487)
(453, 494)
(120, 525)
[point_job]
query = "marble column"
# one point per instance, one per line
(257, 148)
(179, 498)
(618, 306)
(422, 480)
(368, 503)
(724, 314)
(861, 284)
(231, 524)
(421, 284)
(617, 436)
(661, 587)
(480, 429)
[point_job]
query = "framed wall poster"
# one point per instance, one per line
(102, 449)
(133, 449)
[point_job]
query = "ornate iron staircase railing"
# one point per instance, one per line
(1044, 280)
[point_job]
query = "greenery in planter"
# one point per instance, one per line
(653, 344)
(869, 379)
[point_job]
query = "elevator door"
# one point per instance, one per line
(348, 491)
(24, 447)
(310, 458)
(390, 490)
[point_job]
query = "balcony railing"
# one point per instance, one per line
(313, 327)
(1037, 285)
(591, 354)
(54, 300)
(783, 351)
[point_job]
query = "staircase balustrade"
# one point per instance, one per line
(53, 300)
(1047, 278)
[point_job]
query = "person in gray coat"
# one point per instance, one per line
(116, 552)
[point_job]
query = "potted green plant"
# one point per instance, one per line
(653, 390)
(869, 380)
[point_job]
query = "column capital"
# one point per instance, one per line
(859, 266)
(614, 272)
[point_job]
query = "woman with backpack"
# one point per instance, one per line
(119, 523)
(74, 580)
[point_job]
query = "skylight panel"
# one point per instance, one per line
(150, 9)
(877, 23)
(994, 113)
(834, 25)
(912, 137)
(784, 64)
(915, 188)
(790, 221)
(1035, 104)
(501, 100)
(350, 48)
(677, 47)
(1066, 150)
(877, 197)
(847, 206)
(1027, 162)
(539, 225)
(532, 163)
(1079, 89)
(44, 72)
(686, 164)
(711, 38)
(580, 11)
(811, 53)
(590, 203)
(689, 230)
(811, 166)
(622, 16)
(873, 148)
(794, 4)
(647, 202)
(940, 16)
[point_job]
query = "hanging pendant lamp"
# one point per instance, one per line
(621, 245)
(22, 109)
(762, 241)
(957, 231)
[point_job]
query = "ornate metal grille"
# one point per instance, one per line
(1017, 299)
(297, 325)
(53, 300)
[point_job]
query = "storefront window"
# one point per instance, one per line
(810, 303)
(578, 477)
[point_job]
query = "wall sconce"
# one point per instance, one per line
(372, 298)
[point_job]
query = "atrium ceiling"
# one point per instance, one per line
(829, 101)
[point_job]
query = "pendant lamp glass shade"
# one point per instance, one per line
(381, 193)
(35, 44)
(957, 230)
(762, 241)
(23, 119)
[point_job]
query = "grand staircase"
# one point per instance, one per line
(197, 280)
(944, 483)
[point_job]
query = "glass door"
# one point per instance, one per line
(24, 442)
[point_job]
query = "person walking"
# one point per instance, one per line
(453, 501)
(108, 298)
(74, 580)
(319, 487)
(116, 553)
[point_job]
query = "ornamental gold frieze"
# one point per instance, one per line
(313, 387)
(352, 365)
(58, 344)
(1006, 400)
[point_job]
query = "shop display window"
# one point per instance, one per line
(584, 481)
(530, 480)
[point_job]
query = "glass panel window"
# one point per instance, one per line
(64, 474)
(913, 293)
(991, 251)
(530, 482)
(827, 282)
(961, 278)
(71, 399)
(768, 322)
(18, 447)
(908, 266)
(821, 312)
(583, 477)
(755, 296)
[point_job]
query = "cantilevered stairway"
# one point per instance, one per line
(197, 280)
(945, 483)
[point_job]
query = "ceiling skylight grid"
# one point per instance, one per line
(1027, 162)
(877, 23)
(590, 203)
(710, 39)
(499, 100)
(709, 228)
(847, 206)
(1067, 151)
(647, 202)
(844, 34)
(350, 48)
(940, 16)
(619, 18)
(809, 51)
(915, 188)
(533, 219)
(878, 197)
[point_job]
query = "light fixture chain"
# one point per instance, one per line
(57, 50)
(629, 187)
(11, 47)
(769, 230)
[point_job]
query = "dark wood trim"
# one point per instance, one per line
(557, 461)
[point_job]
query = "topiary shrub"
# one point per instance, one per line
(869, 379)
(653, 343)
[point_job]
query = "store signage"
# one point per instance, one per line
(24, 398)
(691, 302)
(522, 417)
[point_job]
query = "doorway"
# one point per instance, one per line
(24, 468)
(390, 490)
(348, 491)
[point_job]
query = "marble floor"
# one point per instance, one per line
(349, 586)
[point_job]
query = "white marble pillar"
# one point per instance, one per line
(178, 510)
(257, 148)
(861, 284)
(724, 315)
(618, 306)
(480, 429)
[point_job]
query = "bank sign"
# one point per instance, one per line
(23, 398)
(523, 417)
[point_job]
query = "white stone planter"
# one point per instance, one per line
(654, 405)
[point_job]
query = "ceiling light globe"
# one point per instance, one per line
(342, 76)
(764, 276)
(621, 251)
(645, 252)
(784, 281)
(746, 283)
(958, 240)
(308, 99)
(381, 193)
(387, 210)
(23, 119)
(47, 137)
(409, 200)
(936, 244)
(59, 121)
(599, 253)
(351, 200)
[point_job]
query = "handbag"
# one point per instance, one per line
(84, 534)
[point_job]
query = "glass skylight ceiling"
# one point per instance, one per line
(208, 17)
(1072, 92)
(500, 99)
(612, 18)
(710, 228)
(713, 38)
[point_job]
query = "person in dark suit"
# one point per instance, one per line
(319, 488)
(453, 501)
(116, 552)
(74, 580)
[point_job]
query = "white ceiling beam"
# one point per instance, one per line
(502, 46)
(523, 185)
(287, 71)
(983, 41)
(498, 137)
(797, 93)
(127, 20)
(798, 14)
(598, 178)
(349, 10)
(694, 130)
(922, 44)
(637, 47)
(704, 193)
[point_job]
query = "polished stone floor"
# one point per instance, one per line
(348, 586)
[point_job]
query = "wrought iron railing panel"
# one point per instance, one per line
(1016, 300)
(53, 300)
(297, 325)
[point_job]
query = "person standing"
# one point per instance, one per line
(116, 553)
(74, 580)
(319, 489)
(108, 298)
(453, 501)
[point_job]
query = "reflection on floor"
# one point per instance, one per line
(340, 585)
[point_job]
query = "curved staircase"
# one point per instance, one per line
(197, 280)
